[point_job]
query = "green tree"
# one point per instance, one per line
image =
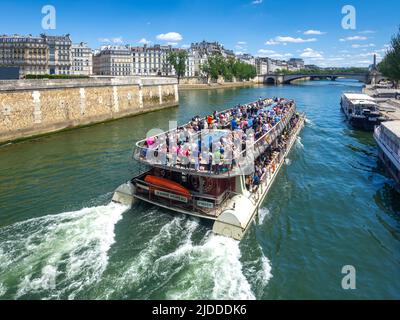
(390, 65)
(178, 60)
(228, 68)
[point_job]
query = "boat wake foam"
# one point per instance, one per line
(172, 265)
(56, 256)
(309, 122)
(262, 214)
(66, 256)
(299, 144)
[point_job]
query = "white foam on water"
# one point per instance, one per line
(209, 270)
(56, 256)
(212, 270)
(3, 290)
(310, 122)
(140, 268)
(265, 273)
(299, 143)
(258, 271)
(262, 214)
(288, 162)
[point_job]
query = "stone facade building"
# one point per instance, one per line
(36, 55)
(295, 64)
(59, 54)
(261, 65)
(152, 61)
(113, 61)
(81, 56)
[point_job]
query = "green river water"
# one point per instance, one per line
(331, 205)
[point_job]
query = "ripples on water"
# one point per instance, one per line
(66, 256)
(331, 205)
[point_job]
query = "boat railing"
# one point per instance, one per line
(269, 102)
(242, 159)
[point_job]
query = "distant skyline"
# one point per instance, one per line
(307, 29)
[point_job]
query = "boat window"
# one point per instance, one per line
(184, 177)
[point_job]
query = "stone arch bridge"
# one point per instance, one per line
(367, 78)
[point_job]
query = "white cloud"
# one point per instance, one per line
(241, 45)
(115, 40)
(311, 54)
(285, 39)
(257, 1)
(355, 46)
(354, 38)
(280, 55)
(185, 46)
(367, 32)
(144, 41)
(265, 51)
(273, 54)
(170, 36)
(172, 43)
(314, 32)
(271, 42)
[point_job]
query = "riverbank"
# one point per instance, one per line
(389, 106)
(208, 86)
(30, 108)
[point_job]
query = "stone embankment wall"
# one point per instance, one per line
(34, 107)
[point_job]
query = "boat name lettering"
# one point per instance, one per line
(171, 196)
(205, 204)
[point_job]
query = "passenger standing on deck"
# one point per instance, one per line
(217, 160)
(210, 161)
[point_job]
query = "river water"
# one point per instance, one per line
(332, 205)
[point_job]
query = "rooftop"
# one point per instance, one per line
(393, 126)
(358, 96)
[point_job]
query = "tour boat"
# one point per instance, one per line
(220, 172)
(387, 136)
(361, 110)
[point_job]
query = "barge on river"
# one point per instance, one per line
(361, 111)
(216, 167)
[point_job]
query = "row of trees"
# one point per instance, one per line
(216, 66)
(228, 68)
(390, 65)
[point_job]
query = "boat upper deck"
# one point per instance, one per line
(221, 145)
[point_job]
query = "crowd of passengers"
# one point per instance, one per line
(185, 146)
(266, 163)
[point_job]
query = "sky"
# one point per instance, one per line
(280, 29)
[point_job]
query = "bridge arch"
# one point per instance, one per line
(360, 77)
(270, 80)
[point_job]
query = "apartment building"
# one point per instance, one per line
(152, 60)
(113, 61)
(82, 62)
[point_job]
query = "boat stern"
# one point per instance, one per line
(124, 194)
(234, 221)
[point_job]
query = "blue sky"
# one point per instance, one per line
(271, 28)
